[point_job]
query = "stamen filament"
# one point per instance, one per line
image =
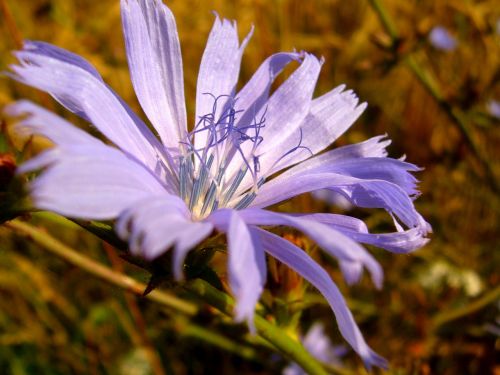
(234, 185)
(203, 183)
(209, 197)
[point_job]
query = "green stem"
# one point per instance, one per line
(198, 332)
(427, 80)
(279, 339)
(449, 316)
(112, 277)
(385, 19)
(221, 301)
(103, 231)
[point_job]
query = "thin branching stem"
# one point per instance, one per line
(12, 28)
(386, 19)
(432, 86)
(203, 290)
(275, 335)
(451, 315)
(87, 264)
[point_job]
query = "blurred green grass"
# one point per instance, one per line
(55, 319)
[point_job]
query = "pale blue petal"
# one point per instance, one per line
(362, 193)
(352, 272)
(219, 70)
(151, 207)
(246, 263)
(246, 267)
(374, 147)
(386, 169)
(287, 107)
(252, 97)
(155, 63)
(61, 54)
(329, 117)
(284, 112)
(363, 160)
(305, 266)
(383, 194)
(160, 222)
(398, 242)
(341, 222)
(402, 242)
(39, 121)
(351, 255)
(255, 94)
(79, 90)
(90, 182)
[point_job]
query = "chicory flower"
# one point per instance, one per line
(173, 191)
(319, 345)
(441, 39)
(493, 107)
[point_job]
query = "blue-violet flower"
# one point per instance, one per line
(175, 190)
(441, 39)
(319, 345)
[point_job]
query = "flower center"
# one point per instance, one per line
(206, 181)
(220, 155)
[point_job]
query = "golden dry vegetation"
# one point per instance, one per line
(439, 310)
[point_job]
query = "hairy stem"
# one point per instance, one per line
(75, 258)
(203, 290)
(279, 339)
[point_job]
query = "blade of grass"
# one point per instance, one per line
(432, 86)
(10, 23)
(449, 316)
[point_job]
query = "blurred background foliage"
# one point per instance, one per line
(438, 312)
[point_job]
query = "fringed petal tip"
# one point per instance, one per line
(377, 146)
(224, 22)
(421, 227)
(246, 266)
(216, 15)
(424, 228)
